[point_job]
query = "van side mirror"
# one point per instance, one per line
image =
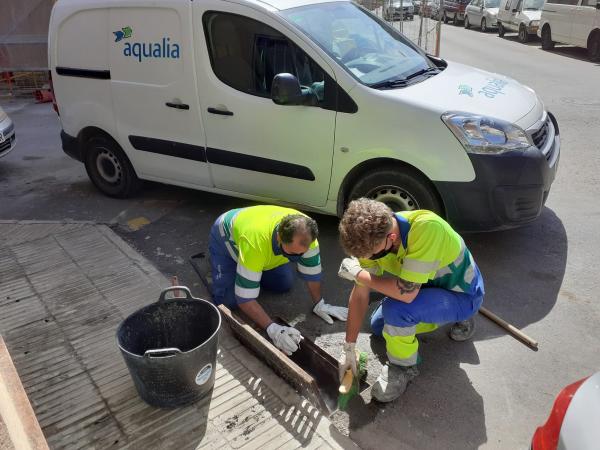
(286, 90)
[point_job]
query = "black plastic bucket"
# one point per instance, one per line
(170, 348)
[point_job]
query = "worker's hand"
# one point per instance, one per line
(347, 360)
(326, 311)
(349, 269)
(285, 339)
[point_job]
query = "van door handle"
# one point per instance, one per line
(220, 112)
(177, 105)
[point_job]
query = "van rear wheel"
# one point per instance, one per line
(500, 29)
(109, 168)
(399, 188)
(523, 35)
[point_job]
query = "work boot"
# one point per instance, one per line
(392, 381)
(462, 331)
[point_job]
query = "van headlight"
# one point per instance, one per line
(534, 23)
(486, 135)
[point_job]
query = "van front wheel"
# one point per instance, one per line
(547, 42)
(109, 168)
(401, 189)
(594, 47)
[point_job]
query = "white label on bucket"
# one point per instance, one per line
(204, 374)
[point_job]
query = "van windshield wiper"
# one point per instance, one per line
(402, 82)
(429, 70)
(390, 84)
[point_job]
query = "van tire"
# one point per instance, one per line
(484, 28)
(109, 168)
(523, 35)
(501, 30)
(593, 46)
(467, 24)
(400, 188)
(445, 18)
(547, 42)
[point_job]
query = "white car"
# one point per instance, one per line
(574, 22)
(573, 420)
(482, 13)
(8, 138)
(520, 16)
(297, 102)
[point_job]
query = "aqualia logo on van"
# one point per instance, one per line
(144, 50)
(493, 88)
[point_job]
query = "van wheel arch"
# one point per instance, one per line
(368, 168)
(120, 179)
(593, 45)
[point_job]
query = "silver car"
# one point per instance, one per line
(483, 14)
(399, 10)
(7, 134)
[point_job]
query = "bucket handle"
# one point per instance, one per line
(162, 352)
(188, 294)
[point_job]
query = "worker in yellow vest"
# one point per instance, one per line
(254, 247)
(427, 274)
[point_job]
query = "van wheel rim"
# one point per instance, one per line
(109, 167)
(396, 198)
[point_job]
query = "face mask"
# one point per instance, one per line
(383, 252)
(294, 257)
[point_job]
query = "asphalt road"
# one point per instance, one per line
(491, 392)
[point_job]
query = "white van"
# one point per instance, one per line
(298, 102)
(575, 22)
(520, 16)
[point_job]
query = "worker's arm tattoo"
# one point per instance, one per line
(406, 287)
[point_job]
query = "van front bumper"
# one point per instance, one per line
(509, 189)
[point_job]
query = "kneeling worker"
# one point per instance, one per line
(252, 248)
(425, 271)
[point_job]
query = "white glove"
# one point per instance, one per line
(349, 269)
(285, 338)
(347, 360)
(324, 311)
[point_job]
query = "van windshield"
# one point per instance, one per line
(369, 49)
(492, 3)
(533, 4)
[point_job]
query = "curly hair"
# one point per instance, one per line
(293, 224)
(364, 225)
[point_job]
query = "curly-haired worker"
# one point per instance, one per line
(425, 271)
(252, 248)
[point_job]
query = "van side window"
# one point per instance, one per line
(591, 3)
(246, 55)
(507, 6)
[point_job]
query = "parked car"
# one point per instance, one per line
(482, 13)
(574, 418)
(454, 10)
(8, 138)
(306, 103)
(521, 16)
(574, 22)
(400, 10)
(431, 8)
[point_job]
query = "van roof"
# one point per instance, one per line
(271, 5)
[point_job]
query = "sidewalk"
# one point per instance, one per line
(64, 289)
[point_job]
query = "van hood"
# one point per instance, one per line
(492, 12)
(533, 14)
(467, 89)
